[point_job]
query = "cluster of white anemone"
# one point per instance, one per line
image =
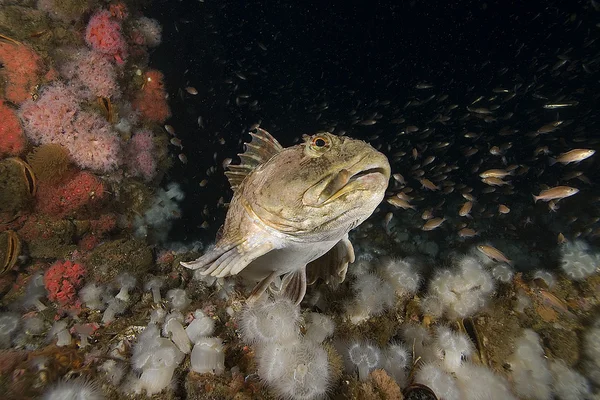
(377, 286)
(461, 291)
(294, 366)
(578, 261)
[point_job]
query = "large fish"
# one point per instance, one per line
(292, 210)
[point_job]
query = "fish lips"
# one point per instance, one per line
(372, 177)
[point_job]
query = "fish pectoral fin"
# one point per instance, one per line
(229, 259)
(260, 287)
(293, 285)
(332, 266)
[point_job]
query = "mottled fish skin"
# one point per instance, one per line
(296, 209)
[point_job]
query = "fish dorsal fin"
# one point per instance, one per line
(261, 148)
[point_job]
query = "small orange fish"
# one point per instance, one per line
(399, 178)
(465, 210)
(467, 233)
(493, 253)
(170, 130)
(400, 203)
(573, 156)
(432, 224)
(492, 181)
(176, 142)
(555, 193)
(427, 184)
(494, 173)
(427, 214)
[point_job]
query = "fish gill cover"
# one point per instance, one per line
(475, 277)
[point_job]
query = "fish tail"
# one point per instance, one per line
(535, 198)
(551, 161)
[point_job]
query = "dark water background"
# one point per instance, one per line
(325, 59)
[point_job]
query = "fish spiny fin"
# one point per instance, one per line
(332, 266)
(259, 150)
(229, 258)
(293, 285)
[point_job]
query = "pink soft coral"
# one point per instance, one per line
(22, 70)
(12, 140)
(95, 145)
(56, 117)
(151, 100)
(140, 157)
(146, 32)
(70, 196)
(92, 70)
(103, 34)
(45, 120)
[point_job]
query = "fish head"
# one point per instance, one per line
(324, 186)
(570, 191)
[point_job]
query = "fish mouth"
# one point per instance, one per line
(368, 172)
(345, 181)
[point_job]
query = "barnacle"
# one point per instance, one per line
(107, 109)
(17, 184)
(10, 248)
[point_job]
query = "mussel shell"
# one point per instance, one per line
(416, 391)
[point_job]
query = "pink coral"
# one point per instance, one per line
(62, 280)
(56, 117)
(71, 195)
(106, 223)
(92, 70)
(22, 70)
(88, 242)
(151, 101)
(118, 10)
(95, 144)
(12, 140)
(35, 227)
(140, 158)
(45, 120)
(146, 32)
(98, 228)
(103, 34)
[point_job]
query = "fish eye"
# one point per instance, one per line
(320, 142)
